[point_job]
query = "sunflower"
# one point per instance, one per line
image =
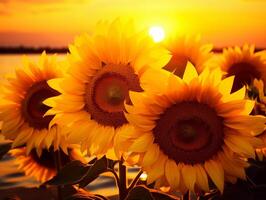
(103, 67)
(257, 91)
(43, 168)
(187, 48)
(192, 130)
(261, 152)
(21, 107)
(244, 64)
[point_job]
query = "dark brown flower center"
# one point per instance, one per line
(33, 108)
(244, 74)
(189, 132)
(177, 64)
(47, 159)
(253, 92)
(107, 91)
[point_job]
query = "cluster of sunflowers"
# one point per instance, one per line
(189, 118)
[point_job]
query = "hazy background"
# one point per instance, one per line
(55, 22)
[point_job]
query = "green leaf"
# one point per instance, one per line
(4, 148)
(82, 196)
(72, 173)
(95, 170)
(140, 193)
(162, 196)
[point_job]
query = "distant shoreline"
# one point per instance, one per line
(61, 50)
(32, 50)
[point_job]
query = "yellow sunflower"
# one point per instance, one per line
(21, 107)
(258, 92)
(185, 49)
(43, 167)
(244, 64)
(103, 67)
(261, 152)
(192, 130)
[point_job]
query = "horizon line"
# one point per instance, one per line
(21, 49)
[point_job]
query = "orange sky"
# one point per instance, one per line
(56, 22)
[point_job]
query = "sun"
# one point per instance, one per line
(157, 33)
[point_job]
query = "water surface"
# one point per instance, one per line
(9, 62)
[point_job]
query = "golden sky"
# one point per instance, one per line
(56, 22)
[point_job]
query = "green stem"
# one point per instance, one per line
(116, 177)
(123, 181)
(57, 159)
(186, 196)
(134, 182)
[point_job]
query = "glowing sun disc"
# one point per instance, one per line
(157, 33)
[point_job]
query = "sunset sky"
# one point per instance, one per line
(56, 22)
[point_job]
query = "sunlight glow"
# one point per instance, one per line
(143, 176)
(157, 33)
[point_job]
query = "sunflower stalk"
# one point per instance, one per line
(123, 181)
(134, 182)
(186, 196)
(57, 159)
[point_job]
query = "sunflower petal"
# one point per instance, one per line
(189, 176)
(157, 169)
(202, 179)
(172, 173)
(190, 73)
(142, 143)
(215, 171)
(151, 155)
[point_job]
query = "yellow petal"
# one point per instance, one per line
(216, 76)
(154, 80)
(172, 173)
(249, 124)
(235, 108)
(11, 126)
(239, 145)
(230, 179)
(30, 142)
(190, 73)
(231, 167)
(24, 135)
(157, 169)
(76, 87)
(81, 133)
(55, 84)
(142, 143)
(136, 97)
(49, 137)
(39, 151)
(66, 119)
(202, 178)
(140, 120)
(151, 155)
(51, 102)
(238, 95)
(189, 176)
(40, 138)
(216, 172)
(106, 142)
